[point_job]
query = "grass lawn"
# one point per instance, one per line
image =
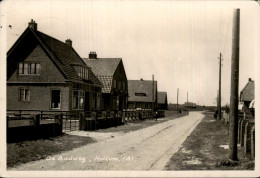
(201, 150)
(27, 151)
(136, 125)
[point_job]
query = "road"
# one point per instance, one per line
(146, 149)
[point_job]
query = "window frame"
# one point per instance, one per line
(79, 96)
(24, 94)
(51, 98)
(25, 68)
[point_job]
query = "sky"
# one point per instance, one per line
(177, 41)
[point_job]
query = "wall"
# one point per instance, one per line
(40, 97)
(48, 73)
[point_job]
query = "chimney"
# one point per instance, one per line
(92, 55)
(68, 42)
(249, 79)
(32, 25)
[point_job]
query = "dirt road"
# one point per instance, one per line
(145, 149)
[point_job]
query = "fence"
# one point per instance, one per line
(246, 133)
(77, 120)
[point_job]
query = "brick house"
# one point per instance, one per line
(247, 95)
(44, 73)
(142, 94)
(162, 100)
(111, 73)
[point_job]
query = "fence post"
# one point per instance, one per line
(37, 120)
(7, 125)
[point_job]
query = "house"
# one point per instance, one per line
(162, 100)
(247, 95)
(142, 94)
(44, 73)
(111, 73)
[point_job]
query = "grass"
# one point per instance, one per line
(27, 151)
(132, 126)
(201, 150)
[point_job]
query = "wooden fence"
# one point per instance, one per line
(246, 133)
(77, 120)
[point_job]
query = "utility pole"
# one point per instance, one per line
(153, 94)
(233, 127)
(187, 100)
(219, 89)
(177, 99)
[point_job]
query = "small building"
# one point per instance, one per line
(111, 72)
(46, 74)
(142, 94)
(247, 95)
(162, 100)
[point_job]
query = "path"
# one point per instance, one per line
(145, 149)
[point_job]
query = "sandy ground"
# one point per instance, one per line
(145, 149)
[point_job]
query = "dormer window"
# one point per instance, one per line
(140, 94)
(83, 73)
(29, 68)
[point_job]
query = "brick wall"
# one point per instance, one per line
(48, 73)
(40, 97)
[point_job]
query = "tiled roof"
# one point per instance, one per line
(162, 96)
(248, 92)
(142, 87)
(104, 69)
(64, 56)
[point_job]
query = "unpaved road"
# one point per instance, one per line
(145, 149)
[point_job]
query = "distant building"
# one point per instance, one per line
(44, 73)
(162, 100)
(111, 72)
(247, 95)
(142, 94)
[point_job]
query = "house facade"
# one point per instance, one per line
(46, 74)
(247, 95)
(142, 94)
(162, 100)
(111, 73)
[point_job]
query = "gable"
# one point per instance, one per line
(48, 70)
(61, 54)
(142, 86)
(248, 92)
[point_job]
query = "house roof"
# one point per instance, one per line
(162, 97)
(62, 55)
(145, 87)
(104, 69)
(248, 92)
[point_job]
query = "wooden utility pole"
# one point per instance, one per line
(177, 99)
(233, 127)
(153, 94)
(187, 100)
(219, 89)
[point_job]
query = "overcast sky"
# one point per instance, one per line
(179, 42)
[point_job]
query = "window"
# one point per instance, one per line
(99, 98)
(140, 94)
(55, 99)
(29, 68)
(78, 99)
(123, 85)
(119, 85)
(24, 94)
(83, 72)
(114, 84)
